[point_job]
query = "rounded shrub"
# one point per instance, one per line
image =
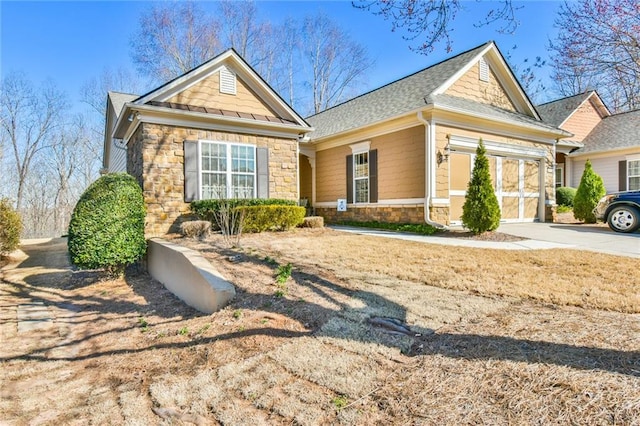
(565, 196)
(590, 190)
(107, 225)
(10, 227)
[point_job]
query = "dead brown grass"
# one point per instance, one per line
(564, 277)
(309, 356)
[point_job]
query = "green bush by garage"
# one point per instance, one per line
(565, 196)
(107, 225)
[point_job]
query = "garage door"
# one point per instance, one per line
(517, 184)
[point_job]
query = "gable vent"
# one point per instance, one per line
(227, 81)
(484, 70)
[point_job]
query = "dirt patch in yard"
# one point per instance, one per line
(308, 351)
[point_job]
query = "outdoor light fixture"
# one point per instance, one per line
(443, 156)
(130, 118)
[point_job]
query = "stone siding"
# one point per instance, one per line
(390, 214)
(155, 158)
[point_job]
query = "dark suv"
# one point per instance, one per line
(620, 210)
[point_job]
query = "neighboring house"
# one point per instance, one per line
(218, 131)
(611, 142)
(404, 152)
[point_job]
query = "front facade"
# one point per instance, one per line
(219, 131)
(405, 152)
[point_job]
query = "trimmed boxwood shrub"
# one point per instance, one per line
(565, 196)
(206, 209)
(271, 217)
(10, 227)
(107, 225)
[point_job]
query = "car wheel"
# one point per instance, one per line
(624, 219)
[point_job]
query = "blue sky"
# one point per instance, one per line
(72, 42)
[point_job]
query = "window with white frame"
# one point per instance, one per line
(361, 177)
(633, 175)
(559, 175)
(227, 170)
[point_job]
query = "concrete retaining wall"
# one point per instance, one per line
(189, 276)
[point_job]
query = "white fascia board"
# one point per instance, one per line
(553, 135)
(468, 144)
(462, 71)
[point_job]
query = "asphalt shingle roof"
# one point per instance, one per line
(489, 111)
(556, 112)
(614, 132)
(393, 99)
(118, 100)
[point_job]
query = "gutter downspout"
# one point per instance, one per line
(428, 155)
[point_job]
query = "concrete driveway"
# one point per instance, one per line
(598, 238)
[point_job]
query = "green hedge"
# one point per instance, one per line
(271, 217)
(107, 225)
(10, 227)
(565, 196)
(205, 209)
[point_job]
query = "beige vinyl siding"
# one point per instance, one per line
(582, 121)
(470, 86)
(400, 164)
(606, 167)
(206, 93)
(331, 174)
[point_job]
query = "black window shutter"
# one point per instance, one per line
(349, 179)
(622, 175)
(262, 172)
(373, 176)
(190, 171)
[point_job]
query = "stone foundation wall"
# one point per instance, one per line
(155, 157)
(399, 214)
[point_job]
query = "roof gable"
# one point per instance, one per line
(202, 80)
(559, 111)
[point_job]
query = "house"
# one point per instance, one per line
(610, 141)
(404, 152)
(218, 131)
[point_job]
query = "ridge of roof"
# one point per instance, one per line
(617, 131)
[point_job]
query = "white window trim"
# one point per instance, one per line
(630, 159)
(560, 166)
(229, 172)
(359, 148)
(355, 197)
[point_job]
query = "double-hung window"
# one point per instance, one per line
(361, 177)
(227, 170)
(633, 174)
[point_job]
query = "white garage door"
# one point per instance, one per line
(516, 181)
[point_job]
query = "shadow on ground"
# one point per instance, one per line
(340, 313)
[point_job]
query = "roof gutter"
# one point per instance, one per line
(429, 172)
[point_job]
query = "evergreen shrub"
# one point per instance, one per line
(10, 227)
(565, 196)
(107, 225)
(480, 212)
(589, 192)
(271, 217)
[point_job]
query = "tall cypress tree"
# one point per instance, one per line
(590, 190)
(481, 212)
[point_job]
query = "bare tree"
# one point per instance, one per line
(172, 39)
(428, 22)
(338, 63)
(598, 44)
(526, 74)
(28, 119)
